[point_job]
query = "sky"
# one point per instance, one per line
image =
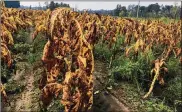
(98, 5)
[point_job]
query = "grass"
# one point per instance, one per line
(37, 49)
(102, 52)
(5, 73)
(13, 87)
(56, 105)
(137, 71)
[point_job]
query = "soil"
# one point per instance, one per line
(23, 94)
(104, 100)
(26, 99)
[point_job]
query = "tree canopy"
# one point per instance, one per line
(54, 5)
(152, 10)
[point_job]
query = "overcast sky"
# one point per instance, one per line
(98, 5)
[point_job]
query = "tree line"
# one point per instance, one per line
(152, 10)
(54, 5)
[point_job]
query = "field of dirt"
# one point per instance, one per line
(25, 98)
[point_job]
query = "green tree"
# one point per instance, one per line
(175, 10)
(120, 10)
(117, 10)
(166, 10)
(132, 10)
(153, 9)
(54, 5)
(143, 11)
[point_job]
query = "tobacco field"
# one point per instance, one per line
(66, 61)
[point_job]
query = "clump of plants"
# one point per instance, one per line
(137, 70)
(102, 52)
(5, 73)
(37, 48)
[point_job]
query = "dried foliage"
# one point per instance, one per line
(71, 38)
